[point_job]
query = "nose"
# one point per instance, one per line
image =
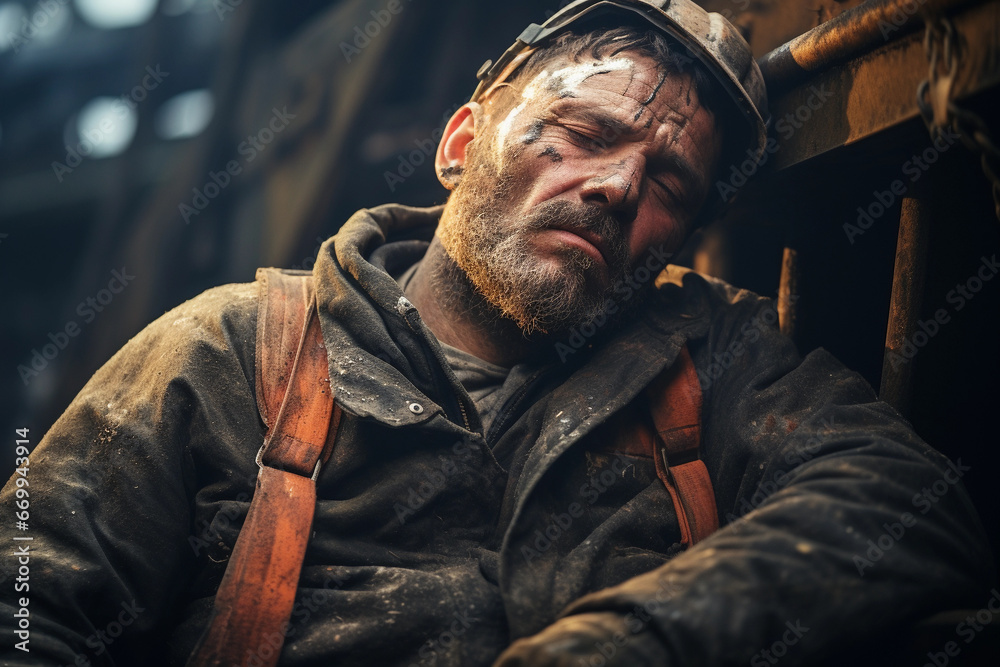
(616, 187)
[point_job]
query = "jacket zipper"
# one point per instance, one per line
(405, 308)
(500, 424)
(465, 416)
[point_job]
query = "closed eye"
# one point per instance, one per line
(582, 136)
(669, 194)
(665, 187)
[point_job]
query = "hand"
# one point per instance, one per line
(583, 640)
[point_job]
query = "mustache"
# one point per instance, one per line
(584, 218)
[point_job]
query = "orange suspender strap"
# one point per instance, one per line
(257, 593)
(675, 403)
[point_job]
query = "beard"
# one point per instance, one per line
(492, 246)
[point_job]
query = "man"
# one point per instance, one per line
(488, 358)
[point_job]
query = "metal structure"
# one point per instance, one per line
(890, 62)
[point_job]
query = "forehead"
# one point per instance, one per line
(640, 89)
(628, 94)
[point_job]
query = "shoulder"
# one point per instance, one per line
(700, 285)
(224, 314)
(716, 304)
(189, 375)
(213, 331)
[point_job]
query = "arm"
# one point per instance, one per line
(809, 470)
(112, 485)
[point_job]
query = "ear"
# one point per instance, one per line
(451, 153)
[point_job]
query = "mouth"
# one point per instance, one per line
(585, 240)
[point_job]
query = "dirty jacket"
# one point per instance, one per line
(437, 544)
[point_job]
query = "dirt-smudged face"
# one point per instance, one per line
(598, 163)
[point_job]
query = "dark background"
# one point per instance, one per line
(355, 122)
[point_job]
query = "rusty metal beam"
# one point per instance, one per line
(904, 307)
(851, 34)
(788, 291)
(875, 89)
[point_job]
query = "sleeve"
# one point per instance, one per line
(838, 520)
(112, 488)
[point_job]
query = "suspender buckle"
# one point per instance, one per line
(259, 460)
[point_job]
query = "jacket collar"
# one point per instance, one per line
(381, 364)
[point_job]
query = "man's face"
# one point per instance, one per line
(597, 163)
